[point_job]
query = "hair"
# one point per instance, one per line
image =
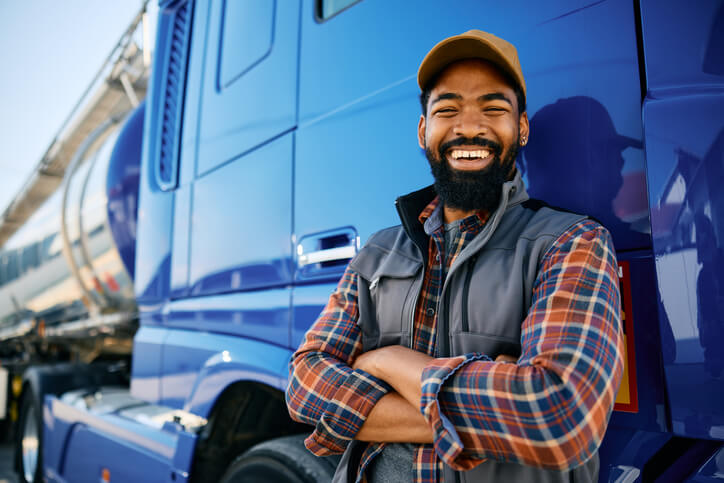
(520, 97)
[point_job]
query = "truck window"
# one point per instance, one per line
(247, 32)
(329, 8)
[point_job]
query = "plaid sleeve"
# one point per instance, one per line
(324, 391)
(550, 409)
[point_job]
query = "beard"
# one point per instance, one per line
(472, 190)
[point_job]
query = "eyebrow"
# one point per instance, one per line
(447, 95)
(493, 96)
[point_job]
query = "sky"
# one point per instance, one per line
(50, 50)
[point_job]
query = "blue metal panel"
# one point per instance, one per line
(712, 471)
(146, 367)
(261, 315)
(181, 242)
(684, 44)
(308, 302)
(90, 451)
(80, 444)
(258, 99)
(684, 148)
(241, 228)
(625, 452)
(198, 366)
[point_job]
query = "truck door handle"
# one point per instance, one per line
(328, 255)
(329, 246)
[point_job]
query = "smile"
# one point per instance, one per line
(469, 154)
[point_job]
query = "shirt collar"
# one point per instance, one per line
(432, 218)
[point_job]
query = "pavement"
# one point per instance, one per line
(7, 475)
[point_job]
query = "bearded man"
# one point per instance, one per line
(480, 340)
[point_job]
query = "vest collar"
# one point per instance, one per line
(410, 205)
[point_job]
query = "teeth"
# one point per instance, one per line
(461, 153)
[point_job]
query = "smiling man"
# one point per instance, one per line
(480, 340)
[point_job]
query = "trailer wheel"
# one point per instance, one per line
(283, 460)
(28, 442)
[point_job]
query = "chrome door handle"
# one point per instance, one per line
(322, 253)
(327, 255)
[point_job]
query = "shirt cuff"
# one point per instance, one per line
(346, 412)
(448, 445)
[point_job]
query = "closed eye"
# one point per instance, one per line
(446, 110)
(495, 110)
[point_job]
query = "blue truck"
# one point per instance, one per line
(192, 229)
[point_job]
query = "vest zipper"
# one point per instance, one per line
(466, 292)
(414, 309)
(442, 317)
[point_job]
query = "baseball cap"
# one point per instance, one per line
(473, 44)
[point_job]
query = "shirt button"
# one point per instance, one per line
(430, 311)
(437, 258)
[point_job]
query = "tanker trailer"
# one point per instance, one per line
(67, 309)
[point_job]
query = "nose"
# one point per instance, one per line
(470, 123)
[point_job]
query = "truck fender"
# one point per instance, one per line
(255, 361)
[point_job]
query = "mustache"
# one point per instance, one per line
(496, 148)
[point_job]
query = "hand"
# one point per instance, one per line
(506, 358)
(398, 366)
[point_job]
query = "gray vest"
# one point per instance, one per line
(485, 297)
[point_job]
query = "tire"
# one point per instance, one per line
(28, 440)
(283, 460)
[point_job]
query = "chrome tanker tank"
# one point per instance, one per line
(74, 258)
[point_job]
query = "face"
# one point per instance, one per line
(471, 133)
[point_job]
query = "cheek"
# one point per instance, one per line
(434, 132)
(507, 133)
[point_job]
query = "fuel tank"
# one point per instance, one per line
(75, 256)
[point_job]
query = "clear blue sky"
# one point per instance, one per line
(49, 52)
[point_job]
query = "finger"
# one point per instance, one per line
(506, 358)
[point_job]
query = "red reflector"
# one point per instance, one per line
(111, 282)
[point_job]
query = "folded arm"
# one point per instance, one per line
(551, 408)
(342, 402)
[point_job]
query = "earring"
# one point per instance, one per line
(524, 141)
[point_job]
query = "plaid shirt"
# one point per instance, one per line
(548, 410)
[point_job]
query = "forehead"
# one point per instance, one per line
(472, 74)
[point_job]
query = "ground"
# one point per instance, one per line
(7, 475)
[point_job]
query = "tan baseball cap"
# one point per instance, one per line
(473, 44)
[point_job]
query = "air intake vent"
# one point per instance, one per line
(173, 92)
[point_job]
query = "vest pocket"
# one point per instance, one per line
(384, 301)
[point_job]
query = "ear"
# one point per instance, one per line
(524, 127)
(421, 132)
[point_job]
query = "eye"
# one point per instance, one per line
(446, 111)
(495, 110)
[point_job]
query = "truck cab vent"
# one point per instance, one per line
(175, 76)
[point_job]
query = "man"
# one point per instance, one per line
(480, 340)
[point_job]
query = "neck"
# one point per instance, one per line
(454, 214)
